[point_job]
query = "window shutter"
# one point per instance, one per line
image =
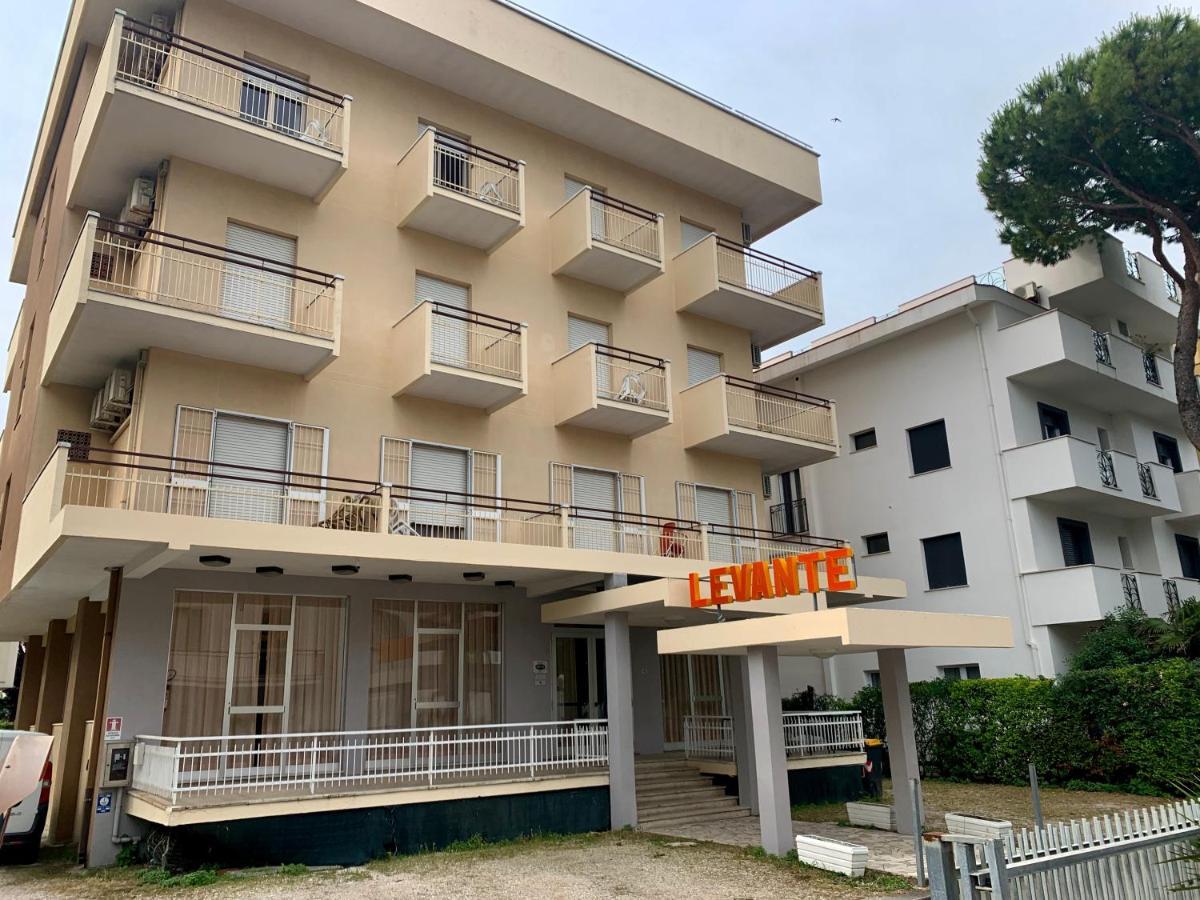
(595, 490)
(193, 440)
(394, 458)
(247, 291)
(443, 292)
(691, 234)
(247, 441)
(747, 513)
(584, 331)
(632, 489)
(702, 365)
(561, 484)
(571, 187)
(306, 499)
(685, 501)
(713, 506)
(636, 537)
(485, 480)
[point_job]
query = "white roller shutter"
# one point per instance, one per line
(596, 491)
(702, 365)
(245, 441)
(584, 331)
(443, 292)
(247, 291)
(714, 507)
(690, 234)
(449, 334)
(571, 187)
(438, 469)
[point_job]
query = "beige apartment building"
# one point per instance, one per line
(384, 370)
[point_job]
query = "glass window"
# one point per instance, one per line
(1167, 449)
(1054, 421)
(959, 673)
(1189, 555)
(944, 563)
(1076, 542)
(864, 440)
(929, 447)
(877, 543)
(873, 679)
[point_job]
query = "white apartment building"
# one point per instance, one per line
(1009, 452)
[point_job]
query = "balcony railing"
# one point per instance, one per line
(1130, 591)
(189, 770)
(1102, 348)
(1171, 593)
(736, 544)
(778, 411)
(475, 341)
(1150, 364)
(790, 517)
(193, 72)
(625, 226)
(479, 174)
(805, 735)
(627, 376)
(164, 268)
(1146, 479)
(1133, 267)
(758, 272)
(1108, 472)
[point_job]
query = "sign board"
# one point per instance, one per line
(112, 728)
(784, 576)
(541, 672)
(104, 802)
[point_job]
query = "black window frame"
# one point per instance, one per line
(1171, 457)
(1189, 562)
(867, 538)
(1047, 414)
(854, 440)
(1084, 554)
(940, 458)
(946, 570)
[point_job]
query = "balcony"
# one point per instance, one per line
(1081, 594)
(448, 187)
(605, 241)
(1071, 470)
(610, 389)
(158, 95)
(773, 299)
(1103, 279)
(458, 356)
(1188, 485)
(780, 428)
(126, 289)
(790, 517)
(1056, 351)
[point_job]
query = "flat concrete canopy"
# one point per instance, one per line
(845, 630)
(666, 603)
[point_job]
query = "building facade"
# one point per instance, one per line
(353, 336)
(1014, 451)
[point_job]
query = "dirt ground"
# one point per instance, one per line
(625, 864)
(995, 801)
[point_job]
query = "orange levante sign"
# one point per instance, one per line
(785, 576)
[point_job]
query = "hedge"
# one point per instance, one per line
(1137, 727)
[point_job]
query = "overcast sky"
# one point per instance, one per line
(912, 83)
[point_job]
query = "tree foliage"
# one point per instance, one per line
(1109, 140)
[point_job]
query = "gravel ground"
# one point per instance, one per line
(609, 865)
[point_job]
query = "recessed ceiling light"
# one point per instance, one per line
(269, 571)
(403, 579)
(506, 584)
(346, 569)
(214, 561)
(474, 576)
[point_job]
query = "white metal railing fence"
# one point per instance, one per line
(476, 342)
(778, 411)
(480, 174)
(753, 270)
(626, 226)
(629, 377)
(179, 768)
(1133, 855)
(175, 271)
(188, 70)
(805, 735)
(732, 543)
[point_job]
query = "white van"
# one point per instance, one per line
(26, 820)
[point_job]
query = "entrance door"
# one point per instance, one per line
(437, 665)
(691, 686)
(581, 688)
(258, 682)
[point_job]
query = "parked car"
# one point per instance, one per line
(26, 820)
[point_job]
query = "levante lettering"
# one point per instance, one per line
(782, 577)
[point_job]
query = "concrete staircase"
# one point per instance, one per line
(671, 793)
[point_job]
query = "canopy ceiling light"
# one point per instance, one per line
(215, 561)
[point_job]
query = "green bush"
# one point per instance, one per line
(1136, 726)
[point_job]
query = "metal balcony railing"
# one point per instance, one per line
(1146, 479)
(626, 226)
(1150, 364)
(1108, 472)
(176, 271)
(1102, 347)
(475, 341)
(805, 735)
(1133, 266)
(758, 272)
(737, 544)
(188, 70)
(630, 377)
(476, 173)
(790, 517)
(779, 411)
(1130, 591)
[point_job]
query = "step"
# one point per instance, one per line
(652, 771)
(667, 777)
(672, 821)
(642, 763)
(680, 790)
(685, 807)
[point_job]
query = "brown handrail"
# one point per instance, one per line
(596, 514)
(460, 145)
(215, 54)
(453, 312)
(629, 355)
(737, 531)
(624, 205)
(224, 254)
(773, 391)
(767, 257)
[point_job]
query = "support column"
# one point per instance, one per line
(743, 731)
(55, 667)
(901, 736)
(31, 682)
(78, 708)
(622, 780)
(770, 765)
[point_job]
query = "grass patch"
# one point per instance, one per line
(819, 812)
(162, 878)
(872, 881)
(478, 844)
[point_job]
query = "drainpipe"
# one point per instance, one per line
(1009, 530)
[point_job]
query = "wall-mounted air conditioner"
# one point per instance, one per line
(112, 403)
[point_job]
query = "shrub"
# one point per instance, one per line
(808, 700)
(1122, 639)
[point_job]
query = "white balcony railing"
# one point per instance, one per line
(626, 226)
(760, 273)
(187, 70)
(629, 377)
(805, 735)
(182, 769)
(479, 174)
(475, 342)
(778, 411)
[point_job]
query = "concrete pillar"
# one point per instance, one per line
(743, 731)
(78, 708)
(770, 764)
(901, 736)
(622, 780)
(31, 682)
(55, 668)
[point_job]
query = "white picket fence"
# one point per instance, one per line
(1123, 856)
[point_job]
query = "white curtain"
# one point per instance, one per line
(198, 661)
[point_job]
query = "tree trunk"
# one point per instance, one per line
(1186, 390)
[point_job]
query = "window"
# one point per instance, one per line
(725, 511)
(4, 509)
(433, 480)
(1168, 451)
(1189, 555)
(877, 543)
(582, 331)
(928, 446)
(607, 505)
(864, 440)
(873, 679)
(1076, 542)
(273, 98)
(690, 235)
(702, 365)
(944, 563)
(451, 341)
(959, 673)
(24, 369)
(1054, 421)
(766, 487)
(245, 293)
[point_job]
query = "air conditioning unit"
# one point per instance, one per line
(112, 403)
(1027, 291)
(139, 207)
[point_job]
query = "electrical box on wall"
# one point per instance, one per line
(118, 764)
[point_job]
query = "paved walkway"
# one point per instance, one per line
(889, 852)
